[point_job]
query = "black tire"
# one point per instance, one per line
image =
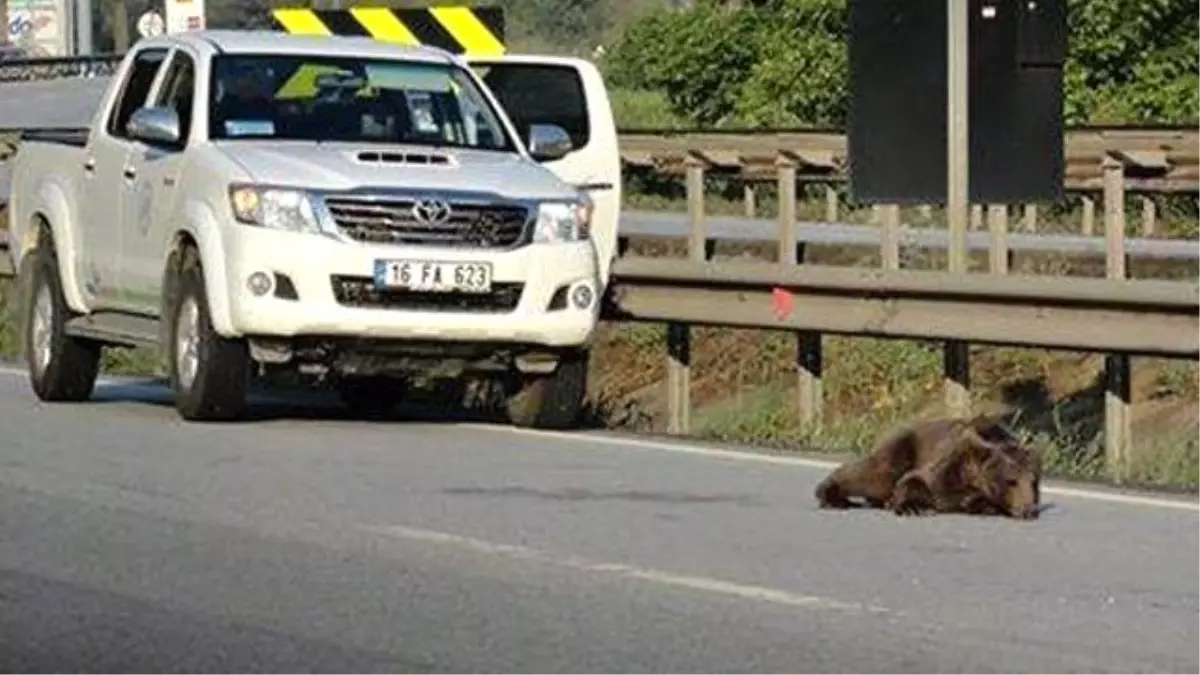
(61, 368)
(218, 389)
(373, 396)
(553, 401)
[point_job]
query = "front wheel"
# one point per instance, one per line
(209, 373)
(553, 401)
(61, 368)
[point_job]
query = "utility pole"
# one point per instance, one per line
(120, 24)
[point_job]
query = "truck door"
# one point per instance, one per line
(107, 180)
(152, 199)
(570, 93)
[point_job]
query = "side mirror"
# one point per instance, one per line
(548, 142)
(154, 125)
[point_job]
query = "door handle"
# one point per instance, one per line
(89, 166)
(169, 182)
(594, 186)
(130, 173)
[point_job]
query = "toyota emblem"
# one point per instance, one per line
(431, 211)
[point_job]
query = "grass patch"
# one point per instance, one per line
(743, 381)
(137, 361)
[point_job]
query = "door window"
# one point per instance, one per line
(135, 89)
(540, 94)
(178, 90)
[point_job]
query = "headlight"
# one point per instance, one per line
(563, 221)
(276, 208)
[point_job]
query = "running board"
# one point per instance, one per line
(115, 328)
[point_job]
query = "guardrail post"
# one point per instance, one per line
(785, 168)
(809, 394)
(831, 204)
(1029, 218)
(1149, 216)
(889, 240)
(1088, 227)
(998, 253)
(679, 348)
(750, 199)
(698, 237)
(1118, 391)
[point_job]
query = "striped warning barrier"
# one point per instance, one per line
(476, 31)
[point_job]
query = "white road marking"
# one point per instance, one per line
(696, 583)
(637, 444)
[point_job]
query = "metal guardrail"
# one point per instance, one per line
(1148, 318)
(52, 68)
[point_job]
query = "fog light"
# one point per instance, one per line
(582, 296)
(259, 283)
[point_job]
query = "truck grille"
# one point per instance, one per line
(392, 221)
(361, 292)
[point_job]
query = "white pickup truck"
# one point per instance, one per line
(361, 211)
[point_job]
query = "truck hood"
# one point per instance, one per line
(337, 166)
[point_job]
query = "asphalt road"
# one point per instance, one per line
(308, 541)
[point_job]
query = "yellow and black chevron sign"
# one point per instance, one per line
(457, 29)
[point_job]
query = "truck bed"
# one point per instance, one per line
(50, 155)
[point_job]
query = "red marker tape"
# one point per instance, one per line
(782, 303)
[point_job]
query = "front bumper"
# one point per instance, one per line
(321, 286)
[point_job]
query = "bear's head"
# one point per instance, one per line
(1006, 472)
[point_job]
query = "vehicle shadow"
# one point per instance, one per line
(272, 402)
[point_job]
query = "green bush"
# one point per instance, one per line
(783, 63)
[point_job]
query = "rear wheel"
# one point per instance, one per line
(209, 373)
(551, 401)
(61, 368)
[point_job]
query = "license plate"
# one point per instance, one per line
(433, 276)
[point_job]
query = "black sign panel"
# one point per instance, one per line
(897, 126)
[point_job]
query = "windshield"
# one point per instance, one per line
(321, 98)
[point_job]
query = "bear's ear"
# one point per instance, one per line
(973, 446)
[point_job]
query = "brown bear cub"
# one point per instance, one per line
(942, 466)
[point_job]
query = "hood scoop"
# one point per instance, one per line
(406, 158)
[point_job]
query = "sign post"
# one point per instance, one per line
(957, 356)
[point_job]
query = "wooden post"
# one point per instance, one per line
(809, 393)
(926, 212)
(1029, 218)
(831, 204)
(679, 351)
(1118, 392)
(785, 168)
(889, 241)
(998, 253)
(1149, 216)
(977, 216)
(1088, 227)
(750, 199)
(956, 362)
(698, 236)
